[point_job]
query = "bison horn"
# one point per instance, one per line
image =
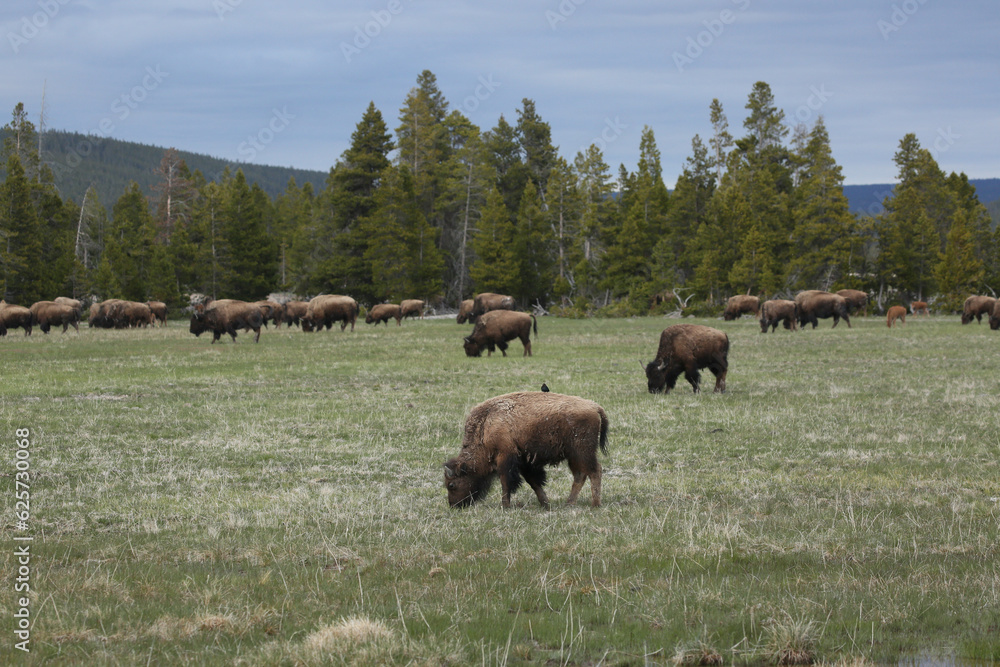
(448, 471)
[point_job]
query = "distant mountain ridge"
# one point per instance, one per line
(79, 161)
(867, 199)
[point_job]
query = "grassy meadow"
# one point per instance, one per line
(282, 503)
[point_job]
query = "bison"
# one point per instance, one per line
(994, 316)
(46, 314)
(464, 311)
(12, 316)
(857, 301)
(271, 311)
(159, 311)
(383, 312)
(895, 313)
(75, 304)
(815, 304)
(687, 348)
(495, 328)
(411, 308)
(325, 309)
(976, 307)
(516, 435)
(226, 316)
(918, 307)
(737, 305)
(777, 311)
(294, 312)
(487, 301)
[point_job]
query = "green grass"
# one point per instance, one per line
(282, 503)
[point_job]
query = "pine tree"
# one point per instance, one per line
(536, 145)
(128, 247)
(20, 238)
(253, 260)
(175, 194)
(495, 269)
(958, 272)
(503, 148)
(676, 253)
(563, 216)
(598, 220)
(721, 141)
(423, 141)
(533, 250)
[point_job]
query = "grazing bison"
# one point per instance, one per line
(138, 314)
(687, 348)
(895, 313)
(515, 436)
(737, 305)
(487, 301)
(226, 316)
(46, 314)
(856, 301)
(920, 307)
(294, 312)
(777, 311)
(815, 304)
(12, 316)
(384, 312)
(326, 309)
(411, 308)
(994, 316)
(495, 328)
(159, 311)
(464, 311)
(976, 307)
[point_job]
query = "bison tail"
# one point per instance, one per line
(534, 322)
(604, 432)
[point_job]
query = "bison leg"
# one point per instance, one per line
(256, 337)
(693, 377)
(526, 341)
(510, 478)
(581, 472)
(231, 330)
(719, 370)
(535, 477)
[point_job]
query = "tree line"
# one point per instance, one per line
(441, 209)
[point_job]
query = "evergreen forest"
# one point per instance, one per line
(440, 209)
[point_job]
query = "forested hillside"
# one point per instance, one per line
(440, 209)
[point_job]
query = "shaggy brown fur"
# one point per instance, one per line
(517, 435)
(976, 307)
(271, 311)
(464, 311)
(994, 316)
(815, 304)
(46, 314)
(120, 314)
(226, 316)
(777, 311)
(895, 313)
(138, 314)
(412, 308)
(742, 303)
(294, 312)
(326, 309)
(12, 316)
(497, 327)
(384, 312)
(687, 348)
(75, 304)
(487, 301)
(159, 311)
(918, 307)
(856, 301)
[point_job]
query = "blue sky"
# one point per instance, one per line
(286, 84)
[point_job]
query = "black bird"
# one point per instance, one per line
(545, 387)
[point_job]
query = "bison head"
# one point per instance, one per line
(464, 486)
(198, 325)
(472, 348)
(656, 376)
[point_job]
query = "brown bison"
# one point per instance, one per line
(687, 348)
(271, 311)
(777, 311)
(75, 304)
(857, 301)
(994, 316)
(411, 308)
(816, 304)
(464, 311)
(495, 328)
(12, 316)
(46, 314)
(918, 307)
(159, 311)
(976, 307)
(487, 301)
(138, 314)
(895, 313)
(515, 436)
(384, 312)
(227, 316)
(737, 305)
(326, 309)
(294, 312)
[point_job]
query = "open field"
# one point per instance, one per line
(282, 503)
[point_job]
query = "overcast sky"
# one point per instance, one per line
(286, 83)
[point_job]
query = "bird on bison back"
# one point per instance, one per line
(687, 348)
(514, 436)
